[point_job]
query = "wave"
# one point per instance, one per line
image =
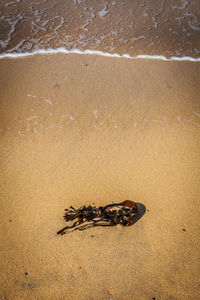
(96, 52)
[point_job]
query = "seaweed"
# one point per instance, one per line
(110, 215)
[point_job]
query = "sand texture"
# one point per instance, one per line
(78, 129)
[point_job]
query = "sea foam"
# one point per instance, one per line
(96, 52)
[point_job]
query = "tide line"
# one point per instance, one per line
(96, 52)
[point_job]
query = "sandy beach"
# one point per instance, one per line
(84, 129)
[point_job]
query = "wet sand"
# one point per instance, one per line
(84, 129)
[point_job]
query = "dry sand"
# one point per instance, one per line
(79, 129)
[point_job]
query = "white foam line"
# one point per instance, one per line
(96, 52)
(32, 117)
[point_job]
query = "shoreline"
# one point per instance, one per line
(96, 52)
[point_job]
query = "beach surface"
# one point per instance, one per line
(83, 129)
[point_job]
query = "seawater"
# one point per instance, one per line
(164, 29)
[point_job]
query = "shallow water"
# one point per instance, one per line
(168, 28)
